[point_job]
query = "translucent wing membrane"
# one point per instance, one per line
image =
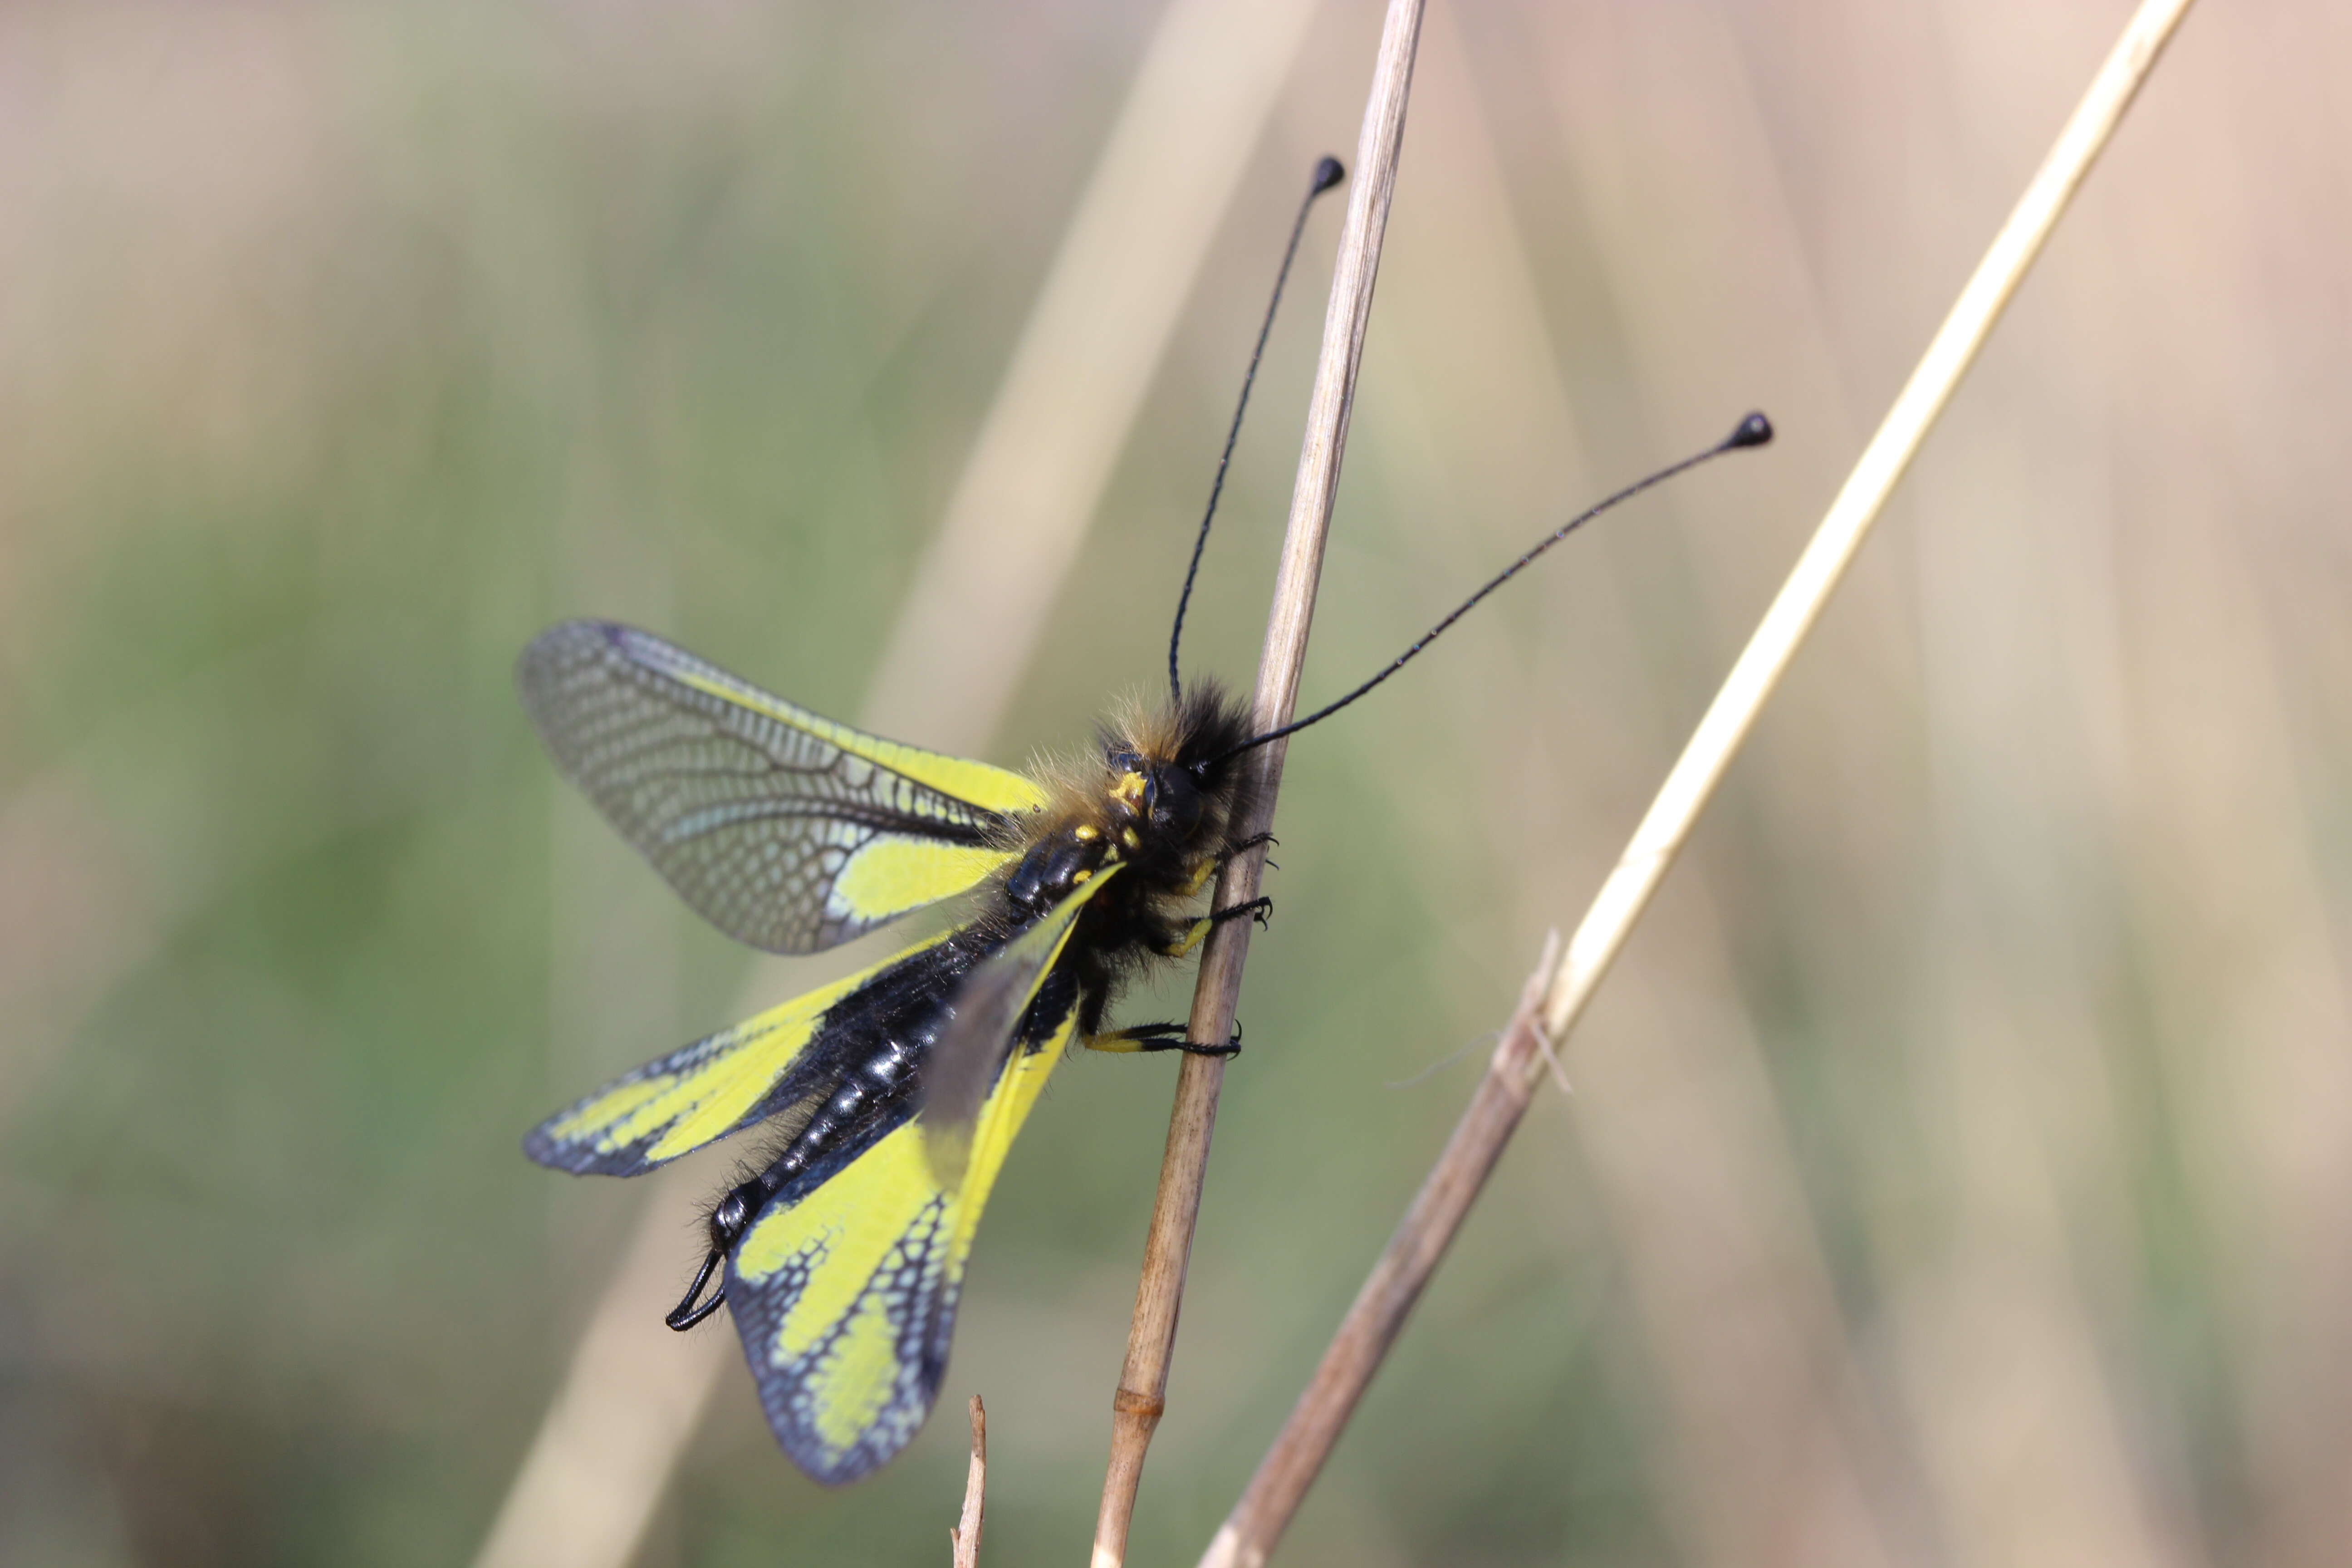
(844, 1289)
(784, 829)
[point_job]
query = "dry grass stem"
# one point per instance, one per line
(1555, 998)
(1881, 467)
(632, 1394)
(964, 1535)
(1152, 1335)
(1379, 1310)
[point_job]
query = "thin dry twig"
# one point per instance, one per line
(963, 1537)
(1371, 1324)
(1151, 1334)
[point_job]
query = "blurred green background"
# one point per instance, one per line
(1958, 1166)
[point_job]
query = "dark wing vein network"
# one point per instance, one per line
(785, 830)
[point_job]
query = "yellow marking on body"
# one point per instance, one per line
(859, 1377)
(1085, 833)
(976, 783)
(894, 873)
(1129, 791)
(1128, 838)
(1078, 877)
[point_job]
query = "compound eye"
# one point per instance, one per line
(1173, 801)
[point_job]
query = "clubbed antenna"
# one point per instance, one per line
(1328, 174)
(1753, 431)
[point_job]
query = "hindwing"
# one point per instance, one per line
(844, 1289)
(784, 829)
(719, 1084)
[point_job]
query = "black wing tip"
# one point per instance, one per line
(888, 1431)
(831, 1467)
(816, 1458)
(842, 1470)
(542, 1149)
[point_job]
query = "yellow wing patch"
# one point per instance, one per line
(694, 1096)
(891, 876)
(847, 1300)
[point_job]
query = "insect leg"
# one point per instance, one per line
(1257, 909)
(1161, 1038)
(1208, 868)
(1243, 845)
(1136, 1037)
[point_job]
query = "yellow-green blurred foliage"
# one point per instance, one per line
(1958, 1165)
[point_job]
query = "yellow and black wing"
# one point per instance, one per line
(784, 829)
(720, 1084)
(844, 1289)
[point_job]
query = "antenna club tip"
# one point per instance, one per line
(1328, 174)
(1753, 431)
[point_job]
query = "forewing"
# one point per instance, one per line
(784, 829)
(700, 1093)
(845, 1291)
